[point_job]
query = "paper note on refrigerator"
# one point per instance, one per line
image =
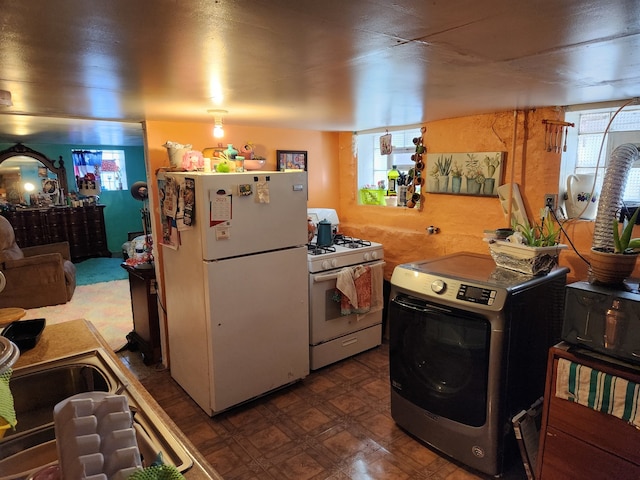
(219, 207)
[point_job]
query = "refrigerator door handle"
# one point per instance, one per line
(334, 276)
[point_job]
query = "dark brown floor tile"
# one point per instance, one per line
(347, 403)
(299, 467)
(333, 425)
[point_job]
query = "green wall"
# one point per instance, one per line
(122, 212)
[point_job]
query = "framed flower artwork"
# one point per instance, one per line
(477, 173)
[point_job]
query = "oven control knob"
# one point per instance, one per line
(438, 286)
(327, 264)
(368, 256)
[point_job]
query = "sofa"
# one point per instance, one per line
(36, 276)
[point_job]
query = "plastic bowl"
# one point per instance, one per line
(253, 164)
(25, 333)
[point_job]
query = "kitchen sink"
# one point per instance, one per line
(38, 388)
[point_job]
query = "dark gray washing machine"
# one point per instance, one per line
(468, 350)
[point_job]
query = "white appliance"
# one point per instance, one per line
(333, 336)
(236, 287)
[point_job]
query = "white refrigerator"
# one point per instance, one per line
(236, 285)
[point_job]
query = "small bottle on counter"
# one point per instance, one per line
(392, 176)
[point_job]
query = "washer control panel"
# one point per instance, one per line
(469, 293)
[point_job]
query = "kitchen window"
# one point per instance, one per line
(109, 164)
(373, 166)
(585, 139)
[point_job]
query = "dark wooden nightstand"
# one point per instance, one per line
(144, 305)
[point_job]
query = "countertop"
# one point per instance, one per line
(77, 336)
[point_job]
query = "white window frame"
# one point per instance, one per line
(618, 134)
(112, 181)
(372, 165)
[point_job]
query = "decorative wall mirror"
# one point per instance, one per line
(19, 161)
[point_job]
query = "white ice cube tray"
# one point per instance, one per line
(95, 438)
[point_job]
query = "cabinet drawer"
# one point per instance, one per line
(567, 458)
(599, 429)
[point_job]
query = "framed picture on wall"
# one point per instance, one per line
(291, 160)
(473, 173)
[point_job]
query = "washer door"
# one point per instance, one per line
(439, 359)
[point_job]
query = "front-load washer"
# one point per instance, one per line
(468, 344)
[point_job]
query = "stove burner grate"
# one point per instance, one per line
(315, 249)
(351, 242)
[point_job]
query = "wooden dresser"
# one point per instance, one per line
(82, 227)
(580, 442)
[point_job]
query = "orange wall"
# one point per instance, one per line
(462, 219)
(333, 183)
(321, 148)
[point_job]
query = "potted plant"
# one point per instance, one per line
(532, 248)
(492, 164)
(474, 175)
(444, 168)
(456, 178)
(612, 265)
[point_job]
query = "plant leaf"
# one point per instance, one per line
(616, 237)
(626, 233)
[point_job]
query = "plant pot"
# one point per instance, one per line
(612, 268)
(443, 183)
(525, 259)
(488, 186)
(456, 183)
(473, 187)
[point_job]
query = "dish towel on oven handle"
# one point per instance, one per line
(361, 289)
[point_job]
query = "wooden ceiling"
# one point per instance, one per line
(85, 72)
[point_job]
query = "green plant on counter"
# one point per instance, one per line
(623, 243)
(545, 234)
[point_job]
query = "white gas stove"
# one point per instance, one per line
(345, 251)
(335, 335)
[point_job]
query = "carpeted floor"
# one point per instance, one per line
(107, 305)
(98, 270)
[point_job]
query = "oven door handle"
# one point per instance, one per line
(334, 276)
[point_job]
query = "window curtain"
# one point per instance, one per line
(86, 162)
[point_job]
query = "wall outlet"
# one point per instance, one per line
(551, 201)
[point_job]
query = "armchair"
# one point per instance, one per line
(36, 276)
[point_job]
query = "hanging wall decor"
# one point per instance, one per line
(477, 173)
(385, 144)
(415, 195)
(555, 135)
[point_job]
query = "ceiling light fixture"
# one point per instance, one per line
(5, 98)
(218, 130)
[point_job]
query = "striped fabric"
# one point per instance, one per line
(599, 391)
